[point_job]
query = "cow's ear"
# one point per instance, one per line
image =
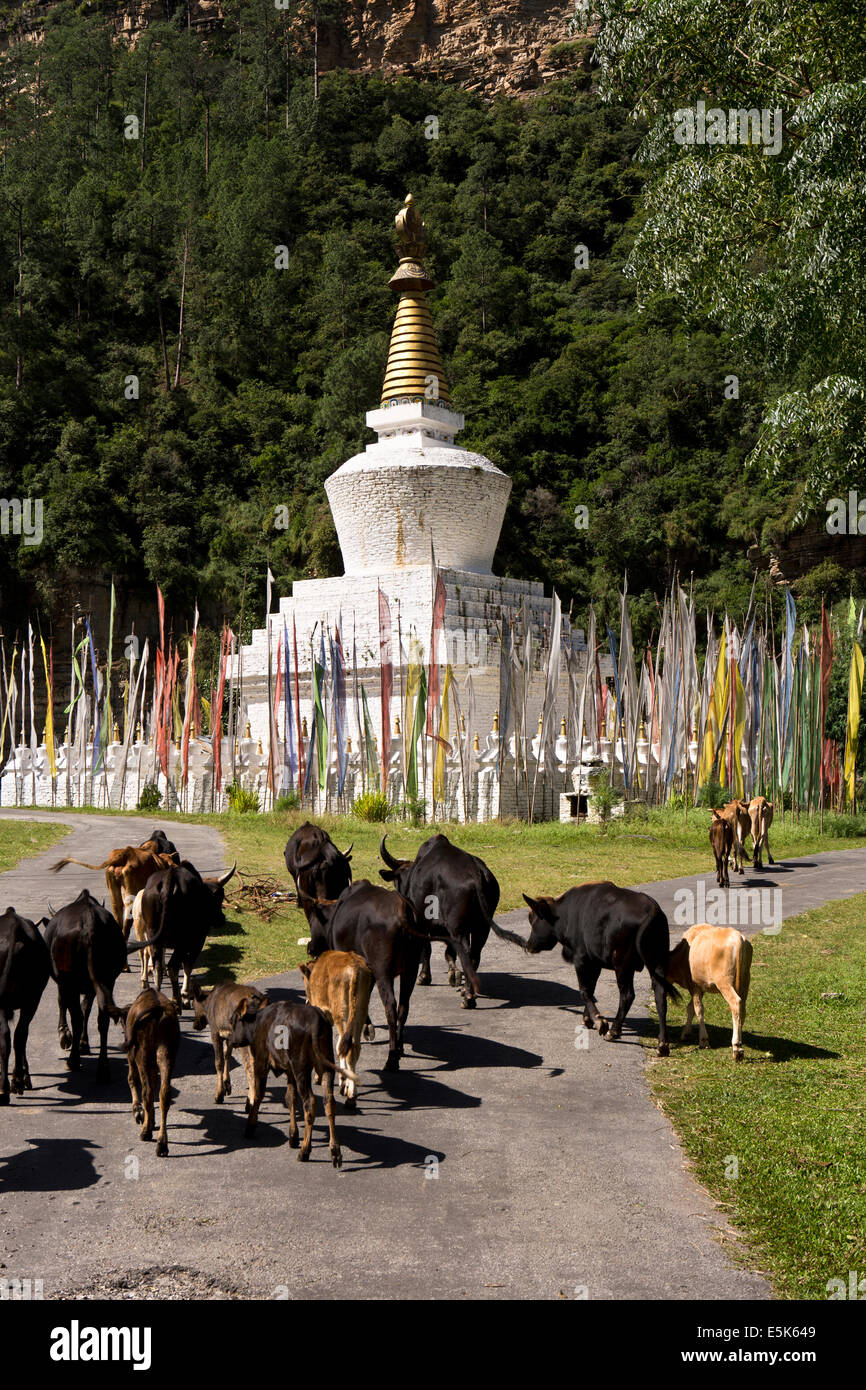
(305, 969)
(388, 874)
(542, 907)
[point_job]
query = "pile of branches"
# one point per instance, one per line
(264, 896)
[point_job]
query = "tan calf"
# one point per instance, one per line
(760, 819)
(339, 984)
(713, 960)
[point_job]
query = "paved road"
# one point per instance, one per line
(556, 1173)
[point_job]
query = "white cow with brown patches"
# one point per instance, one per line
(713, 960)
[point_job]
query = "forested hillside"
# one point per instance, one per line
(169, 377)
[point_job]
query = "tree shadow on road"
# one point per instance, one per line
(456, 1049)
(50, 1165)
(515, 991)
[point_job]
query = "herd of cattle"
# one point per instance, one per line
(361, 935)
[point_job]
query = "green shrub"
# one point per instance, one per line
(373, 806)
(714, 793)
(415, 810)
(289, 801)
(242, 799)
(604, 794)
(150, 798)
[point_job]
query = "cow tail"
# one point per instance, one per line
(7, 969)
(359, 1005)
(744, 962)
(104, 997)
(144, 1017)
(164, 896)
(324, 1063)
(655, 973)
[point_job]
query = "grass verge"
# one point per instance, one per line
(20, 839)
(792, 1113)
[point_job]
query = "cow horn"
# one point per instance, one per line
(225, 878)
(347, 854)
(388, 858)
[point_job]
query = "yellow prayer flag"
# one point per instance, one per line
(855, 690)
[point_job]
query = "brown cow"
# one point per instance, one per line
(713, 960)
(339, 983)
(721, 841)
(761, 818)
(216, 1008)
(152, 1038)
(736, 813)
(126, 873)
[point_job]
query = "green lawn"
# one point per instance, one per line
(792, 1112)
(20, 839)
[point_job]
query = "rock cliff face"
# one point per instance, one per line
(487, 46)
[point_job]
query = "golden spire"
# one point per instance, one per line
(414, 369)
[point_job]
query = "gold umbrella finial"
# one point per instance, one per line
(411, 230)
(414, 371)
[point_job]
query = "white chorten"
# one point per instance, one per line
(412, 494)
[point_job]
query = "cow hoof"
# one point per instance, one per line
(294, 1141)
(138, 1114)
(73, 1064)
(4, 1098)
(469, 1003)
(738, 1054)
(602, 1027)
(65, 1041)
(304, 1157)
(162, 1149)
(664, 1050)
(424, 977)
(218, 1100)
(28, 1084)
(17, 1086)
(369, 1032)
(146, 1136)
(336, 1158)
(704, 1042)
(350, 1103)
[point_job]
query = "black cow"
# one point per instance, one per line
(318, 868)
(291, 1040)
(381, 927)
(602, 927)
(25, 966)
(88, 953)
(454, 895)
(163, 845)
(179, 909)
